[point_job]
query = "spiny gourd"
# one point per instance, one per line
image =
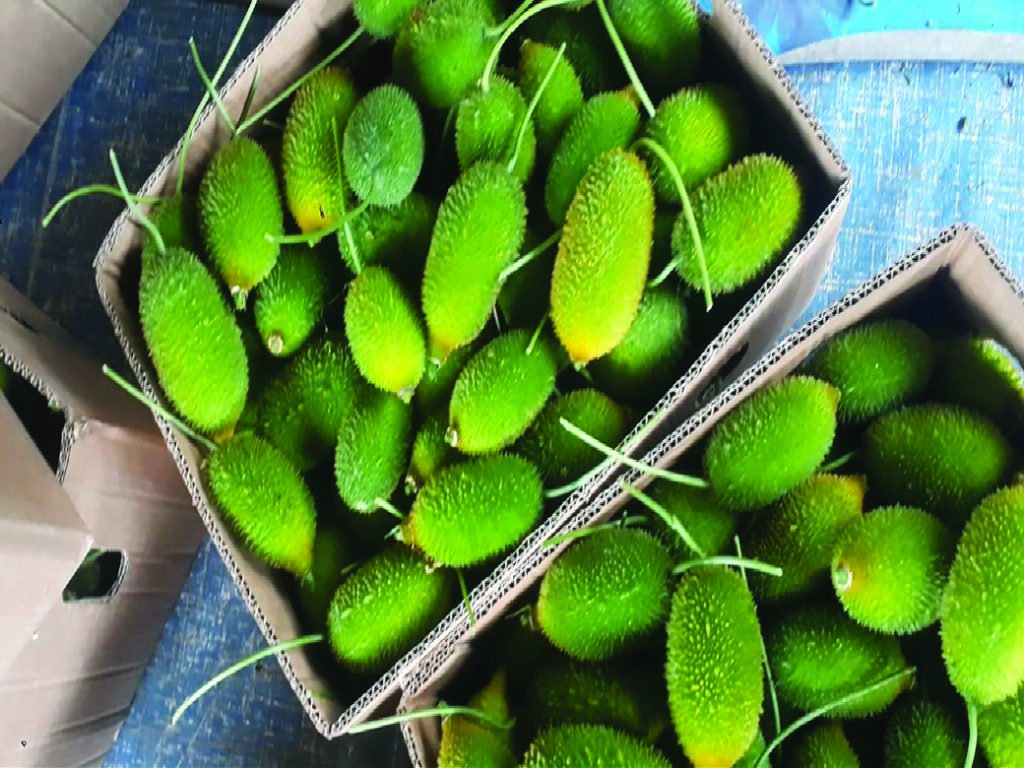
(290, 302)
(588, 47)
(604, 593)
(309, 156)
(876, 366)
(798, 534)
(373, 450)
(437, 384)
(487, 127)
(941, 458)
(500, 392)
(560, 456)
(603, 255)
(818, 654)
(982, 613)
(597, 746)
(176, 219)
(702, 129)
(239, 206)
(386, 606)
(471, 743)
(194, 342)
(771, 442)
(471, 511)
(921, 732)
(266, 501)
(661, 36)
(889, 569)
(709, 524)
(650, 357)
(479, 231)
(383, 18)
(430, 452)
(746, 215)
(396, 237)
(823, 744)
(332, 552)
(979, 373)
(1001, 732)
(607, 121)
(713, 666)
(383, 146)
(385, 332)
(562, 98)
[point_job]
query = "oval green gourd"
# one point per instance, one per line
(383, 18)
(372, 451)
(824, 745)
(177, 221)
(596, 746)
(588, 47)
(332, 552)
(430, 452)
(562, 98)
(290, 302)
(661, 36)
(436, 387)
(921, 732)
(471, 743)
(710, 524)
(396, 237)
(487, 127)
(1001, 732)
(979, 373)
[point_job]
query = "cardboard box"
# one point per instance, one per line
(69, 669)
(956, 278)
(306, 32)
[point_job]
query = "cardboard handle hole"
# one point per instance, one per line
(19, 320)
(99, 577)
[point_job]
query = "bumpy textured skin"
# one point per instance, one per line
(560, 456)
(373, 450)
(385, 332)
(889, 569)
(603, 256)
(479, 231)
(661, 36)
(713, 666)
(876, 366)
(921, 732)
(703, 129)
(471, 743)
(607, 121)
(194, 342)
(982, 613)
(1001, 732)
(798, 534)
(822, 745)
(266, 501)
(386, 606)
(604, 593)
(309, 156)
(772, 442)
(944, 459)
(500, 392)
(395, 237)
(177, 221)
(383, 18)
(980, 374)
(469, 512)
(650, 358)
(430, 452)
(291, 300)
(587, 46)
(332, 551)
(709, 523)
(383, 146)
(562, 98)
(818, 654)
(435, 389)
(595, 746)
(487, 127)
(746, 216)
(239, 205)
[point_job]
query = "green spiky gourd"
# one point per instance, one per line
(383, 18)
(876, 366)
(771, 442)
(471, 743)
(710, 524)
(823, 745)
(487, 128)
(746, 216)
(562, 98)
(479, 231)
(266, 501)
(472, 511)
(604, 594)
(921, 732)
(177, 221)
(587, 46)
(979, 373)
(430, 452)
(332, 552)
(385, 607)
(596, 746)
(396, 237)
(373, 450)
(291, 300)
(1001, 732)
(661, 36)
(194, 342)
(436, 387)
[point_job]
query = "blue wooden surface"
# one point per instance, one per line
(929, 144)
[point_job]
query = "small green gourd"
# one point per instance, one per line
(921, 732)
(710, 524)
(591, 745)
(373, 451)
(661, 36)
(823, 744)
(562, 98)
(332, 553)
(979, 373)
(1001, 732)
(290, 302)
(471, 743)
(487, 127)
(383, 18)
(430, 452)
(396, 237)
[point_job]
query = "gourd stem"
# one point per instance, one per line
(841, 461)
(527, 257)
(512, 17)
(442, 710)
(211, 89)
(673, 523)
(465, 598)
(509, 30)
(95, 189)
(772, 694)
(972, 734)
(536, 334)
(257, 75)
(739, 562)
(627, 63)
(313, 238)
(350, 241)
(134, 209)
(625, 522)
(532, 108)
(388, 507)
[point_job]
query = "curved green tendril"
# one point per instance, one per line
(769, 676)
(211, 89)
(510, 29)
(465, 598)
(673, 523)
(134, 209)
(841, 461)
(972, 734)
(527, 257)
(742, 563)
(95, 189)
(442, 710)
(257, 75)
(627, 63)
(582, 533)
(532, 107)
(388, 507)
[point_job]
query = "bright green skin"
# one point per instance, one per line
(595, 746)
(649, 359)
(982, 614)
(194, 342)
(662, 37)
(309, 149)
(818, 654)
(176, 219)
(702, 129)
(430, 452)
(470, 743)
(604, 593)
(479, 231)
(332, 551)
(500, 392)
(396, 237)
(588, 48)
(980, 374)
(799, 534)
(383, 18)
(603, 256)
(373, 450)
(239, 205)
(771, 442)
(941, 458)
(1001, 732)
(266, 501)
(752, 756)
(746, 216)
(385, 332)
(290, 302)
(562, 457)
(487, 127)
(474, 510)
(608, 121)
(876, 366)
(383, 146)
(822, 745)
(435, 389)
(921, 732)
(710, 524)
(385, 607)
(889, 569)
(562, 98)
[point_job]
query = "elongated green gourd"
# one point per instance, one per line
(603, 257)
(562, 98)
(771, 442)
(266, 501)
(177, 221)
(430, 452)
(710, 524)
(194, 342)
(469, 512)
(587, 46)
(332, 552)
(921, 732)
(979, 373)
(759, 188)
(470, 743)
(383, 18)
(395, 237)
(661, 36)
(487, 127)
(291, 300)
(373, 450)
(385, 607)
(591, 745)
(435, 388)
(1001, 732)
(823, 744)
